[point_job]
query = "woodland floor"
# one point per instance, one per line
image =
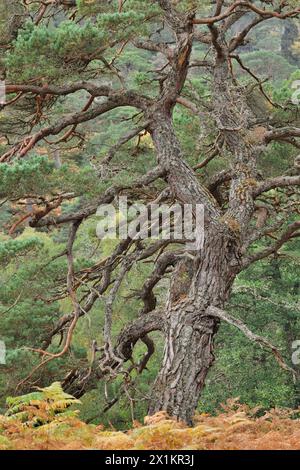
(235, 429)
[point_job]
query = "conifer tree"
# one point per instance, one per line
(88, 78)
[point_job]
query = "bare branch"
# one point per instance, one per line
(154, 47)
(278, 182)
(239, 39)
(80, 381)
(117, 99)
(218, 313)
(106, 198)
(249, 6)
(282, 134)
(290, 233)
(123, 140)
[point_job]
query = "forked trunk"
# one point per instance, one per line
(189, 330)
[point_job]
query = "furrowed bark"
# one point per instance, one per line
(188, 353)
(196, 284)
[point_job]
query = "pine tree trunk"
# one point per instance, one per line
(188, 356)
(196, 285)
(188, 352)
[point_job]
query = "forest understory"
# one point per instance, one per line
(237, 428)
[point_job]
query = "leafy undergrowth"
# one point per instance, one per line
(41, 421)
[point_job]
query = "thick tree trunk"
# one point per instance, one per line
(188, 356)
(188, 353)
(196, 285)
